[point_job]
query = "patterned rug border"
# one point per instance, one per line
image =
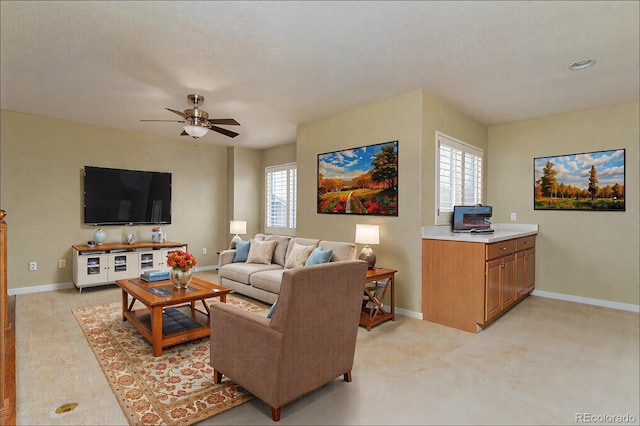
(135, 396)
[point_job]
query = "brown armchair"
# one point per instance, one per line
(309, 341)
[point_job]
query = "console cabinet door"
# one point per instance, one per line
(91, 269)
(123, 265)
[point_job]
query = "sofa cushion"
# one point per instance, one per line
(241, 272)
(297, 256)
(341, 250)
(242, 251)
(280, 252)
(267, 280)
(261, 252)
(319, 256)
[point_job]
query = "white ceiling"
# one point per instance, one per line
(275, 65)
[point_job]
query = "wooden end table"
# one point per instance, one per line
(378, 283)
(157, 296)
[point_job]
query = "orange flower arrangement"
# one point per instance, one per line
(182, 260)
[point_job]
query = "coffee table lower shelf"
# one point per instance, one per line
(141, 319)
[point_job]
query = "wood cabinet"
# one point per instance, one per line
(93, 266)
(467, 285)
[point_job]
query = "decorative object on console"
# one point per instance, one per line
(156, 235)
(368, 234)
(99, 236)
(131, 238)
(181, 264)
(237, 227)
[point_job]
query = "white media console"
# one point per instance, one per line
(106, 263)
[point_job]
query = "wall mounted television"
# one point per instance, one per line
(126, 197)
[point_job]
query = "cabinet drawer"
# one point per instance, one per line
(525, 243)
(500, 249)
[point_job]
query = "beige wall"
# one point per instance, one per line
(243, 185)
(438, 116)
(397, 118)
(585, 254)
(41, 163)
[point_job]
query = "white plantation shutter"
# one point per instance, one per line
(458, 176)
(280, 202)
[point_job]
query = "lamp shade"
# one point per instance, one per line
(195, 131)
(238, 227)
(367, 234)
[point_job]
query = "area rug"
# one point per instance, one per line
(175, 388)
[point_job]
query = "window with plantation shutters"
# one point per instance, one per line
(458, 176)
(280, 202)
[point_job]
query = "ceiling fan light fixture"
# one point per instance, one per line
(195, 131)
(582, 64)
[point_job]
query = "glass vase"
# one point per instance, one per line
(180, 278)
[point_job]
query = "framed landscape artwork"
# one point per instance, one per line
(361, 180)
(592, 181)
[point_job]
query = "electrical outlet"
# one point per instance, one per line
(204, 251)
(513, 216)
(33, 266)
(62, 263)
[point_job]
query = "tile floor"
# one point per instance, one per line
(545, 362)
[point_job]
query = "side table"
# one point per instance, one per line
(379, 282)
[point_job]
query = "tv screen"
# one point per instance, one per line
(126, 197)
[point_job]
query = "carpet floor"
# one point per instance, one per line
(174, 388)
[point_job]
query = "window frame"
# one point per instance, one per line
(444, 216)
(290, 202)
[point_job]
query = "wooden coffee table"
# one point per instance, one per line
(170, 316)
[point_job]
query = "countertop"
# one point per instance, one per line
(503, 231)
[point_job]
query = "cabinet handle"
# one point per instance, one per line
(504, 248)
(527, 243)
(503, 265)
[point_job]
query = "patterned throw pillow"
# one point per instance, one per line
(298, 255)
(261, 252)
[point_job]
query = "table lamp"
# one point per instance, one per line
(368, 234)
(237, 227)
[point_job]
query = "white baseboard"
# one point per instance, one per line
(62, 286)
(405, 312)
(588, 301)
(207, 268)
(39, 288)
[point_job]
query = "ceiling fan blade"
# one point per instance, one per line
(224, 131)
(180, 113)
(226, 121)
(169, 121)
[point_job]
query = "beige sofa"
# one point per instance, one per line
(262, 281)
(309, 341)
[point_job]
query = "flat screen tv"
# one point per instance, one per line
(126, 197)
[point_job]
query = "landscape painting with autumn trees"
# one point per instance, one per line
(361, 180)
(588, 181)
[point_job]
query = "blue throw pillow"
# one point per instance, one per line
(319, 256)
(242, 251)
(272, 309)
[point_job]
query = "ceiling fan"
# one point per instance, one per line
(197, 121)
